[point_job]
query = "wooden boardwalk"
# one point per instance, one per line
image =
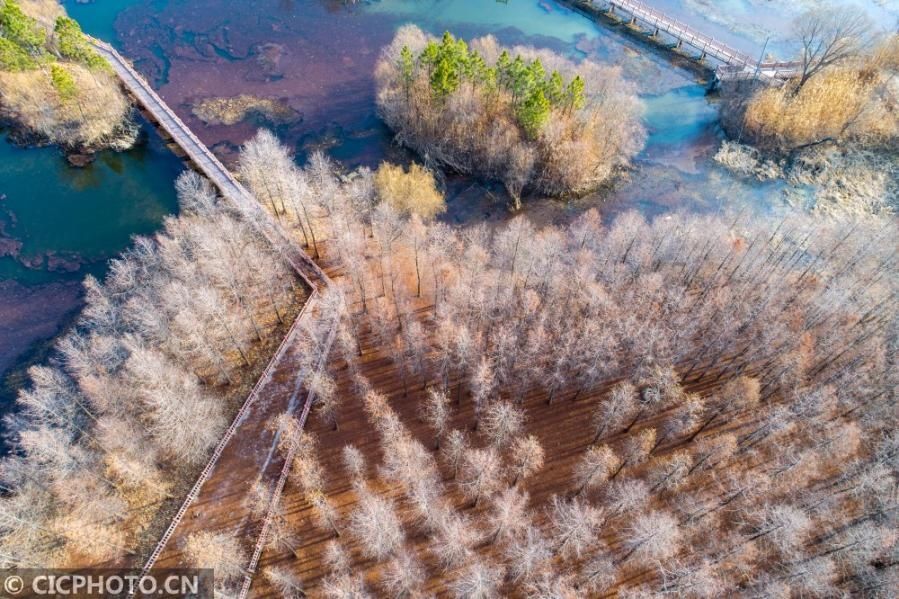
(208, 165)
(246, 454)
(734, 64)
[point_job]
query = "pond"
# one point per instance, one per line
(316, 57)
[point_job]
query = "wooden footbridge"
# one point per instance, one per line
(205, 162)
(733, 64)
(246, 451)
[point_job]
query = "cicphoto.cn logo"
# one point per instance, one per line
(77, 584)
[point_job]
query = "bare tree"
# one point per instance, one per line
(501, 422)
(287, 584)
(575, 524)
(595, 467)
(598, 574)
(619, 408)
(527, 458)
(375, 523)
(483, 381)
(354, 463)
(652, 535)
(552, 586)
(403, 576)
(481, 474)
(324, 511)
(455, 450)
(280, 536)
(326, 397)
(829, 36)
(480, 580)
(527, 555)
(452, 545)
(217, 551)
(508, 514)
(636, 449)
(436, 413)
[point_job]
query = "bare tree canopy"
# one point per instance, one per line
(829, 36)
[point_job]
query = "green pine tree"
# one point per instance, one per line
(537, 72)
(14, 58)
(534, 112)
(503, 69)
(554, 89)
(430, 56)
(520, 79)
(407, 68)
(575, 94)
(72, 44)
(444, 79)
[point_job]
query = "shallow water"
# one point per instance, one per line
(317, 57)
(58, 224)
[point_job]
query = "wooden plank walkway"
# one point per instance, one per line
(210, 166)
(734, 64)
(246, 454)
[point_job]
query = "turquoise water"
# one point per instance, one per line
(89, 212)
(533, 18)
(62, 223)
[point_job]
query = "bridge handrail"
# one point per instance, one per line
(285, 470)
(226, 438)
(245, 202)
(197, 150)
(659, 19)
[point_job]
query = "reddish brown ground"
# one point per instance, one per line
(563, 429)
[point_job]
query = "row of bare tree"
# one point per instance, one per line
(137, 394)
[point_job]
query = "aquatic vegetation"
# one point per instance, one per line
(230, 111)
(529, 118)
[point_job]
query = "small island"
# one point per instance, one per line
(54, 89)
(530, 118)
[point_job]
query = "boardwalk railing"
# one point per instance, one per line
(206, 162)
(226, 438)
(232, 190)
(735, 64)
(660, 22)
(285, 472)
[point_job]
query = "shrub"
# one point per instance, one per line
(839, 104)
(73, 45)
(409, 192)
(14, 58)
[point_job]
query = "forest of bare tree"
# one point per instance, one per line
(111, 429)
(689, 406)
